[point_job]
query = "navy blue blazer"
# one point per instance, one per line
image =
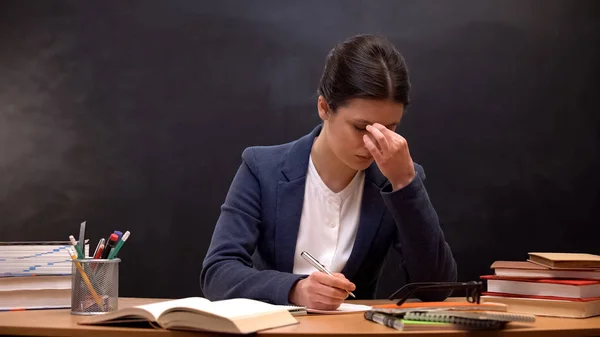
(251, 254)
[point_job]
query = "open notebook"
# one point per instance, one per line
(197, 313)
(344, 308)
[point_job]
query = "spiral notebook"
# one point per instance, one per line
(471, 320)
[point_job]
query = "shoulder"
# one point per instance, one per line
(291, 154)
(270, 156)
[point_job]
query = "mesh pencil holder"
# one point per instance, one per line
(95, 286)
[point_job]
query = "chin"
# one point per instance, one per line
(361, 164)
(364, 166)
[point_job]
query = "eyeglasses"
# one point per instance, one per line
(472, 289)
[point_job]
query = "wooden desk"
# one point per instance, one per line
(62, 323)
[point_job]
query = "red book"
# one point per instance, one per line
(543, 287)
(589, 299)
(525, 269)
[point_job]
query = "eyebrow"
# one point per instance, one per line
(364, 121)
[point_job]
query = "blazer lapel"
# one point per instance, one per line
(290, 198)
(371, 214)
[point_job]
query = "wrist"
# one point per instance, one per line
(400, 184)
(293, 296)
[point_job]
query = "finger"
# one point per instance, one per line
(372, 148)
(323, 303)
(374, 141)
(329, 295)
(343, 277)
(394, 139)
(387, 132)
(382, 140)
(333, 281)
(332, 293)
(401, 141)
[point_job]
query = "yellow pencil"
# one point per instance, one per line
(85, 278)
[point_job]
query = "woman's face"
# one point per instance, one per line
(345, 128)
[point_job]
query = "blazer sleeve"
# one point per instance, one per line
(420, 240)
(227, 271)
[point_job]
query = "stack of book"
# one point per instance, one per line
(35, 275)
(547, 284)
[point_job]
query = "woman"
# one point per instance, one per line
(346, 193)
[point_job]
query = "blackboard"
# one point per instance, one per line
(132, 115)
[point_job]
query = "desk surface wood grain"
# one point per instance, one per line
(62, 323)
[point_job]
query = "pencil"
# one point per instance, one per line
(85, 278)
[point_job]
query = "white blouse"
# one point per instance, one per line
(328, 223)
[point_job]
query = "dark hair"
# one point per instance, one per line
(364, 66)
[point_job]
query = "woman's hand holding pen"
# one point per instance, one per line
(321, 291)
(390, 151)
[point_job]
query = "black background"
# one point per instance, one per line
(132, 115)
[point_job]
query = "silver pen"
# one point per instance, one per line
(306, 255)
(100, 243)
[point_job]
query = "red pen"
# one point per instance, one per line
(98, 254)
(100, 243)
(99, 251)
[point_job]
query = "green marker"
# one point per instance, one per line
(115, 250)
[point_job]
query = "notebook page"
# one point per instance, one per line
(240, 307)
(156, 309)
(344, 308)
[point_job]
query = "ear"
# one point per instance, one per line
(323, 107)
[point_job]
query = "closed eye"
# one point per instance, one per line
(361, 129)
